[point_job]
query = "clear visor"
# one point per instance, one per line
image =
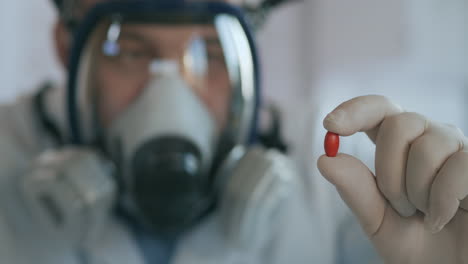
(122, 58)
(126, 57)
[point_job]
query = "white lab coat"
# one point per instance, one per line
(316, 227)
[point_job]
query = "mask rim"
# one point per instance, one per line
(102, 10)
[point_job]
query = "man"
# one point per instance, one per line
(151, 159)
(411, 153)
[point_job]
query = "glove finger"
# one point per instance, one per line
(364, 113)
(357, 186)
(392, 146)
(426, 157)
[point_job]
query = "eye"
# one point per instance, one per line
(128, 50)
(133, 58)
(216, 60)
(134, 54)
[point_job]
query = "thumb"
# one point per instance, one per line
(357, 187)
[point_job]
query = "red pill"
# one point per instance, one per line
(332, 143)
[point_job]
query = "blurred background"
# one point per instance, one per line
(315, 54)
(320, 53)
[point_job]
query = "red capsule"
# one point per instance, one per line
(331, 144)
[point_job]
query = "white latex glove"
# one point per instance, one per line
(414, 208)
(69, 193)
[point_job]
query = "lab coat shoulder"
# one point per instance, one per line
(21, 138)
(299, 235)
(302, 237)
(20, 141)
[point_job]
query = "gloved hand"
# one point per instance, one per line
(414, 208)
(68, 194)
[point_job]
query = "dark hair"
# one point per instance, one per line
(257, 15)
(58, 4)
(66, 10)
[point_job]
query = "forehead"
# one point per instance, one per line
(167, 34)
(87, 4)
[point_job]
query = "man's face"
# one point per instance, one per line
(121, 80)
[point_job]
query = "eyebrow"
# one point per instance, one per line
(212, 41)
(134, 36)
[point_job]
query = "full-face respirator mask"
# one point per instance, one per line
(169, 92)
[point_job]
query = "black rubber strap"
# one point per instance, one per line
(272, 137)
(47, 123)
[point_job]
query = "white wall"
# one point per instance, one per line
(413, 51)
(26, 48)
